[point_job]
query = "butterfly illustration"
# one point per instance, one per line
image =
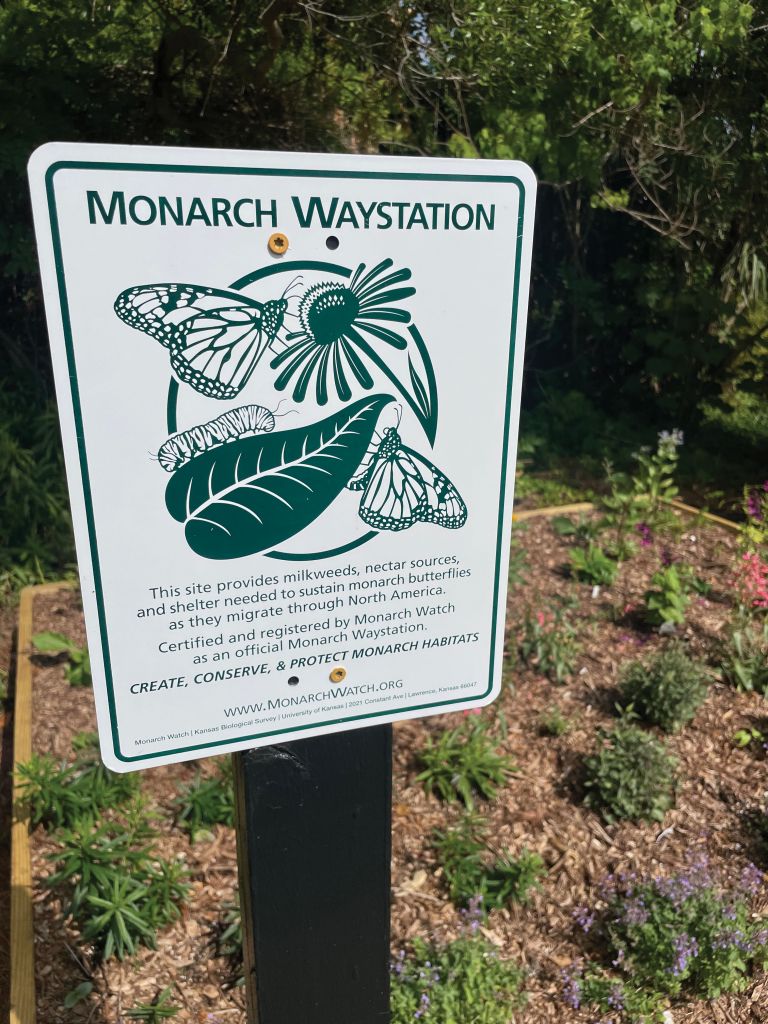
(401, 487)
(216, 337)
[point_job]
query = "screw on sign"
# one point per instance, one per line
(278, 243)
(315, 541)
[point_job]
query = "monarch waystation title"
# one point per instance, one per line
(117, 208)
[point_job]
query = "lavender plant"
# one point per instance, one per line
(667, 936)
(463, 982)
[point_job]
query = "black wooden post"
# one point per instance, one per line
(314, 840)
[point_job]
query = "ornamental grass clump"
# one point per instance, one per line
(667, 690)
(462, 982)
(462, 764)
(632, 776)
(665, 937)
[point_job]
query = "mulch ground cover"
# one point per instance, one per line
(540, 809)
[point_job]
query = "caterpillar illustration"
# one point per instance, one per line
(241, 422)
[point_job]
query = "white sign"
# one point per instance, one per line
(289, 388)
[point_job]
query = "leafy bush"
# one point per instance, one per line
(592, 565)
(668, 936)
(121, 893)
(667, 598)
(463, 982)
(78, 669)
(463, 763)
(58, 794)
(667, 690)
(631, 776)
(744, 657)
(229, 939)
(207, 801)
(549, 645)
(471, 875)
(584, 530)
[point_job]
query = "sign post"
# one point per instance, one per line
(289, 388)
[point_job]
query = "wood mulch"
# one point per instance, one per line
(540, 809)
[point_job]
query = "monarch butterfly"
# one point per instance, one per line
(401, 487)
(215, 337)
(241, 422)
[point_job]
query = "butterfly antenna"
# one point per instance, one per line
(288, 412)
(399, 415)
(286, 293)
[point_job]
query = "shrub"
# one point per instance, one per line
(631, 776)
(463, 982)
(669, 936)
(78, 668)
(58, 794)
(592, 565)
(549, 645)
(121, 893)
(667, 690)
(463, 763)
(206, 802)
(471, 875)
(745, 657)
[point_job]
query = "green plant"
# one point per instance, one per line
(120, 892)
(631, 776)
(58, 794)
(229, 940)
(749, 737)
(667, 599)
(744, 657)
(207, 801)
(668, 936)
(518, 560)
(667, 689)
(592, 565)
(554, 723)
(472, 875)
(77, 994)
(463, 982)
(78, 669)
(463, 763)
(584, 530)
(158, 1010)
(549, 644)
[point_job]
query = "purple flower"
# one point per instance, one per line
(754, 505)
(423, 1005)
(751, 880)
(646, 534)
(666, 558)
(584, 918)
(686, 949)
(616, 998)
(473, 914)
(572, 988)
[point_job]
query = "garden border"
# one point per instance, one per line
(22, 1002)
(22, 980)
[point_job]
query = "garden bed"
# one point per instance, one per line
(539, 809)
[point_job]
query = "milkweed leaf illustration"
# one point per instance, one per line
(253, 493)
(419, 391)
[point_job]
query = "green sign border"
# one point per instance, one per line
(98, 165)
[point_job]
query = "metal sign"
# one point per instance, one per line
(289, 388)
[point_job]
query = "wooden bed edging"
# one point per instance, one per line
(22, 1000)
(22, 932)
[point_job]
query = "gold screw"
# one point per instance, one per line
(338, 675)
(278, 243)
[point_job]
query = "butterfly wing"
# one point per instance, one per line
(442, 505)
(403, 488)
(216, 337)
(394, 493)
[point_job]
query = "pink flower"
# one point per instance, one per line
(752, 581)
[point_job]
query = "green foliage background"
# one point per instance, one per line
(646, 124)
